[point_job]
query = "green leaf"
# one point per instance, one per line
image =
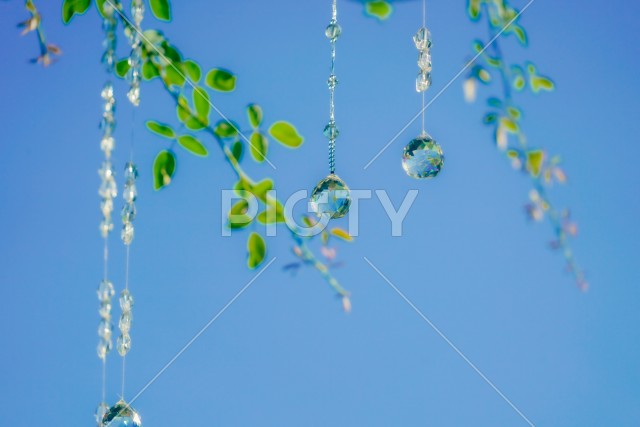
(519, 83)
(257, 250)
(514, 113)
(164, 166)
(473, 9)
(483, 75)
(161, 129)
(260, 189)
(534, 162)
(255, 115)
(191, 144)
(161, 9)
(509, 125)
(202, 104)
(221, 80)
(378, 9)
(74, 7)
(225, 129)
(122, 67)
(341, 234)
(237, 217)
(171, 52)
(286, 134)
(192, 70)
(539, 83)
(185, 114)
(149, 71)
(237, 149)
(154, 37)
(478, 45)
(173, 76)
(490, 118)
(494, 62)
(259, 146)
(521, 34)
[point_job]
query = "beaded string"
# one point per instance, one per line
(331, 130)
(422, 40)
(108, 191)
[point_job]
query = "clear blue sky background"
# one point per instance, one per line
(284, 354)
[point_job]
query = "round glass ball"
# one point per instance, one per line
(121, 415)
(331, 197)
(422, 157)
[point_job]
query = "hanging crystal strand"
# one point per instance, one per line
(107, 192)
(422, 157)
(135, 58)
(331, 196)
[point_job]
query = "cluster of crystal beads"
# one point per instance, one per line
(126, 319)
(331, 196)
(422, 40)
(135, 58)
(109, 43)
(121, 415)
(105, 328)
(129, 194)
(108, 189)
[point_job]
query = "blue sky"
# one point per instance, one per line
(284, 354)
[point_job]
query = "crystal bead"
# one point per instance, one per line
(105, 227)
(106, 207)
(107, 91)
(423, 81)
(108, 189)
(107, 144)
(332, 82)
(129, 193)
(105, 291)
(128, 212)
(422, 39)
(104, 347)
(424, 61)
(130, 172)
(105, 310)
(106, 171)
(101, 410)
(331, 130)
(333, 31)
(126, 300)
(134, 95)
(331, 197)
(422, 157)
(125, 322)
(123, 344)
(121, 415)
(127, 233)
(104, 330)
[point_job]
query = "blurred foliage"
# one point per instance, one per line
(491, 68)
(48, 51)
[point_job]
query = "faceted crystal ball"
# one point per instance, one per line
(121, 415)
(331, 197)
(422, 157)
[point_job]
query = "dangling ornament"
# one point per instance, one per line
(422, 157)
(331, 196)
(121, 415)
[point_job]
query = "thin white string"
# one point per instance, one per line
(424, 24)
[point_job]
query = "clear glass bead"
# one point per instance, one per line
(104, 329)
(104, 347)
(107, 144)
(108, 189)
(422, 39)
(125, 322)
(105, 291)
(134, 95)
(123, 344)
(130, 193)
(331, 197)
(333, 81)
(333, 31)
(331, 130)
(101, 410)
(126, 300)
(424, 61)
(106, 207)
(127, 233)
(423, 81)
(106, 171)
(121, 415)
(107, 91)
(137, 11)
(128, 212)
(105, 310)
(130, 172)
(106, 225)
(422, 157)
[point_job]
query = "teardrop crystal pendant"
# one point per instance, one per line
(422, 157)
(331, 197)
(121, 415)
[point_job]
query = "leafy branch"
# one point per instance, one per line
(505, 119)
(48, 51)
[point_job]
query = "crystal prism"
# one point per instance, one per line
(331, 197)
(126, 300)
(422, 39)
(121, 415)
(423, 81)
(123, 344)
(422, 157)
